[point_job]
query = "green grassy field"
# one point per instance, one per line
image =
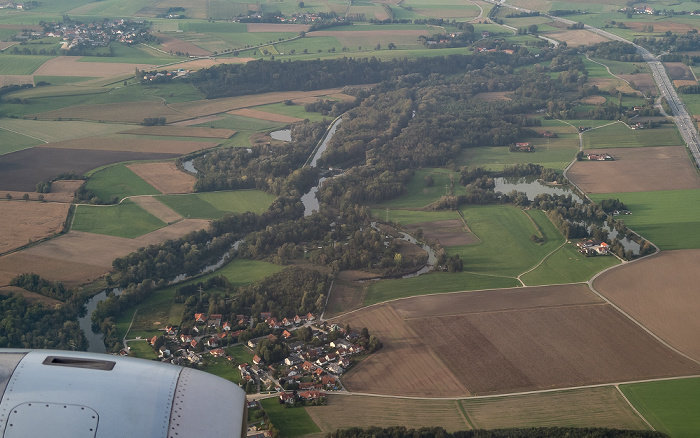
(142, 350)
(20, 64)
(221, 367)
(241, 272)
(408, 217)
(58, 131)
(12, 141)
(242, 124)
(118, 181)
(295, 110)
(418, 195)
(618, 135)
(291, 422)
(240, 353)
(61, 80)
(667, 218)
(670, 406)
(124, 220)
(215, 205)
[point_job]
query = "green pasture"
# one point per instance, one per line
(296, 110)
(61, 80)
(619, 135)
(670, 406)
(434, 283)
(240, 353)
(555, 153)
(118, 181)
(214, 205)
(242, 272)
(666, 218)
(12, 141)
(212, 27)
(220, 366)
(127, 220)
(619, 67)
(409, 217)
(692, 102)
(419, 195)
(567, 265)
(291, 422)
(52, 131)
(21, 64)
(141, 349)
(242, 124)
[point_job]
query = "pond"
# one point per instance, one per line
(309, 198)
(189, 166)
(532, 187)
(96, 341)
(282, 135)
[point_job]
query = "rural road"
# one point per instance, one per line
(685, 123)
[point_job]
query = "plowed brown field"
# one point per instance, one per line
(70, 66)
(173, 45)
(679, 71)
(446, 233)
(164, 177)
(579, 37)
(643, 81)
(157, 208)
(504, 341)
(664, 168)
(131, 145)
(662, 293)
(23, 222)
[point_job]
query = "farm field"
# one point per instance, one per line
(24, 222)
(659, 292)
(132, 145)
(666, 218)
(509, 340)
(669, 406)
(418, 194)
(446, 233)
(20, 64)
(12, 141)
(73, 67)
(297, 110)
(118, 181)
(153, 206)
(343, 411)
(294, 422)
(574, 38)
(618, 135)
(53, 131)
(567, 265)
(165, 177)
(664, 168)
(181, 131)
(264, 115)
(127, 220)
(214, 205)
(22, 170)
(410, 217)
(591, 407)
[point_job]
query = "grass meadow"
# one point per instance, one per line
(667, 218)
(296, 110)
(220, 366)
(141, 349)
(124, 220)
(670, 406)
(214, 205)
(419, 195)
(12, 141)
(567, 265)
(291, 422)
(20, 64)
(240, 353)
(118, 181)
(618, 135)
(408, 217)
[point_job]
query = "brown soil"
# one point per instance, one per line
(198, 64)
(679, 71)
(70, 66)
(15, 79)
(29, 221)
(637, 170)
(446, 233)
(71, 274)
(157, 209)
(164, 177)
(172, 44)
(493, 96)
(22, 170)
(197, 121)
(661, 293)
(61, 191)
(681, 82)
(643, 81)
(505, 341)
(605, 83)
(370, 33)
(660, 26)
(31, 297)
(578, 37)
(271, 27)
(593, 100)
(182, 131)
(262, 115)
(347, 293)
(131, 145)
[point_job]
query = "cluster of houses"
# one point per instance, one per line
(96, 34)
(522, 147)
(593, 247)
(644, 9)
(165, 75)
(600, 157)
(20, 6)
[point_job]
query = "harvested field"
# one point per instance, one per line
(131, 145)
(63, 191)
(493, 96)
(181, 131)
(503, 341)
(348, 292)
(416, 369)
(70, 273)
(592, 407)
(681, 82)
(262, 115)
(446, 233)
(22, 170)
(69, 66)
(368, 38)
(636, 170)
(593, 100)
(206, 63)
(32, 297)
(343, 411)
(660, 292)
(660, 26)
(605, 83)
(679, 71)
(15, 79)
(120, 112)
(197, 121)
(271, 27)
(157, 208)
(644, 82)
(577, 37)
(172, 44)
(24, 222)
(49, 130)
(164, 177)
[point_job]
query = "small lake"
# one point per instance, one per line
(189, 166)
(309, 198)
(282, 135)
(96, 341)
(628, 244)
(532, 187)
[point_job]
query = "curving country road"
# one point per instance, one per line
(685, 123)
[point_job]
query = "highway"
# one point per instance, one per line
(685, 123)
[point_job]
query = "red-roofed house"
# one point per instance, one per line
(186, 338)
(218, 352)
(153, 340)
(257, 360)
(226, 326)
(200, 317)
(286, 334)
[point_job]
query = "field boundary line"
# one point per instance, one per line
(465, 415)
(633, 408)
(26, 135)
